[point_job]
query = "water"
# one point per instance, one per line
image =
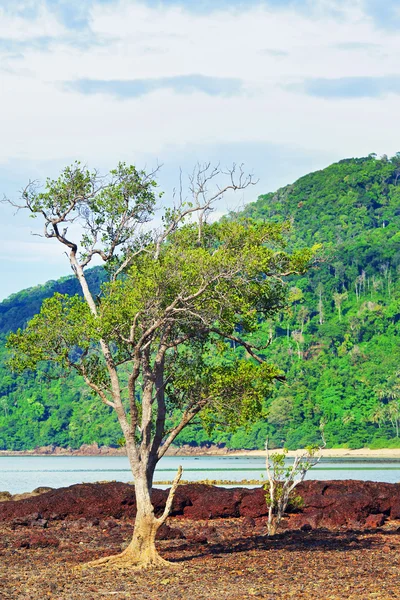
(24, 473)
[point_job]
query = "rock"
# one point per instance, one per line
(329, 504)
(254, 504)
(214, 502)
(77, 501)
(199, 536)
(307, 520)
(56, 517)
(26, 520)
(395, 509)
(5, 496)
(169, 533)
(43, 541)
(39, 523)
(108, 524)
(23, 496)
(249, 522)
(42, 490)
(335, 504)
(22, 543)
(374, 521)
(77, 524)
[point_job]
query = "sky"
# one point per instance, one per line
(284, 86)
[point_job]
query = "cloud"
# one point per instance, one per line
(73, 14)
(15, 45)
(240, 107)
(349, 87)
(181, 84)
(385, 13)
(274, 52)
(357, 46)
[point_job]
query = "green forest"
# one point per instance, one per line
(336, 341)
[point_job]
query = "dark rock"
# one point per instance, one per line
(25, 520)
(43, 541)
(202, 535)
(249, 522)
(169, 533)
(254, 504)
(39, 523)
(306, 527)
(108, 524)
(330, 504)
(22, 543)
(335, 504)
(56, 517)
(77, 501)
(215, 502)
(395, 509)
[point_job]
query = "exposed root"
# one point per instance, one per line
(128, 560)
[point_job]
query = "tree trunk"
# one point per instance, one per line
(141, 552)
(142, 549)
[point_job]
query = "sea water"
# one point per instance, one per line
(24, 473)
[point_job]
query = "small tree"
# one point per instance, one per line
(159, 340)
(283, 479)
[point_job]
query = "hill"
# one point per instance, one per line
(338, 341)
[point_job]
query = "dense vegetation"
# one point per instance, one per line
(337, 341)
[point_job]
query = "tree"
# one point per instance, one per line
(303, 316)
(338, 300)
(284, 478)
(320, 289)
(162, 338)
(299, 339)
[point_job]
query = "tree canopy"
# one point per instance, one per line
(179, 299)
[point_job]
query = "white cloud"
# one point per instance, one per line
(43, 123)
(41, 119)
(20, 28)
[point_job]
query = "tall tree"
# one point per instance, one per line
(161, 338)
(338, 300)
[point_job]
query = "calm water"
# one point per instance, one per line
(24, 473)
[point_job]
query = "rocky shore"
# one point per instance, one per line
(328, 504)
(206, 450)
(96, 450)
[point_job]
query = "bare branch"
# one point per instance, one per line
(168, 504)
(187, 416)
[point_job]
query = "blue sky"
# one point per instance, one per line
(285, 86)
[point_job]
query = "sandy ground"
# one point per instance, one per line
(237, 562)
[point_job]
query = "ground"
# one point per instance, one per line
(222, 559)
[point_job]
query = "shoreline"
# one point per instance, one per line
(94, 450)
(332, 453)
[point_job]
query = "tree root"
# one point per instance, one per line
(128, 560)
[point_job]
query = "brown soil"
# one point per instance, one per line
(222, 559)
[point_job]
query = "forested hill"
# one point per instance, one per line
(16, 310)
(338, 341)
